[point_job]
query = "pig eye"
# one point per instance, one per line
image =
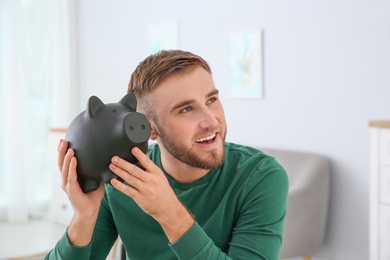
(143, 126)
(114, 111)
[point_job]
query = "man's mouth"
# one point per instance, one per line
(207, 139)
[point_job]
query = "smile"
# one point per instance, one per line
(208, 138)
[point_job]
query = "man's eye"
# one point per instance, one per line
(211, 100)
(186, 110)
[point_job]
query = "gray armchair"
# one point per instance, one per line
(308, 199)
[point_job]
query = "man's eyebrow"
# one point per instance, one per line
(188, 102)
(182, 104)
(213, 92)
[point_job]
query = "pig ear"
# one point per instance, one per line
(129, 101)
(94, 103)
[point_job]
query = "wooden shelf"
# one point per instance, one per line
(380, 123)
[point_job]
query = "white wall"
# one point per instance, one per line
(327, 73)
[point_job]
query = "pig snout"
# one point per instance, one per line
(137, 128)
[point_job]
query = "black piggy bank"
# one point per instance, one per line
(102, 131)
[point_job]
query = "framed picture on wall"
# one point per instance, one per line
(245, 67)
(163, 36)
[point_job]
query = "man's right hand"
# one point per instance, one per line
(85, 205)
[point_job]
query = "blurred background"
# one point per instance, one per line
(325, 73)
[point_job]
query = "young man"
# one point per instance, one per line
(198, 197)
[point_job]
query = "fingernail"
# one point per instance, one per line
(115, 159)
(114, 181)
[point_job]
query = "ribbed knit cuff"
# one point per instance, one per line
(191, 243)
(68, 251)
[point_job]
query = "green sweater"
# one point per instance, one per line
(239, 210)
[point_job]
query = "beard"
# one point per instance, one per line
(210, 160)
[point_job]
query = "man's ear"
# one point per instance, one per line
(153, 131)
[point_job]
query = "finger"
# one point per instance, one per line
(62, 148)
(128, 168)
(59, 144)
(126, 189)
(65, 168)
(72, 176)
(144, 160)
(126, 176)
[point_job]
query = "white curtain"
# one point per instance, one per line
(37, 92)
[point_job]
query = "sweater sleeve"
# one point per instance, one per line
(258, 231)
(64, 250)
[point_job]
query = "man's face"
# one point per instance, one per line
(189, 119)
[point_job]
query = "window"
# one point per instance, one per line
(34, 59)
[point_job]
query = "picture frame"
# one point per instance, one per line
(245, 64)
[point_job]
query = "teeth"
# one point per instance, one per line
(205, 139)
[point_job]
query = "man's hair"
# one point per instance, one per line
(158, 67)
(162, 65)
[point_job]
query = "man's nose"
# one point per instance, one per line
(208, 119)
